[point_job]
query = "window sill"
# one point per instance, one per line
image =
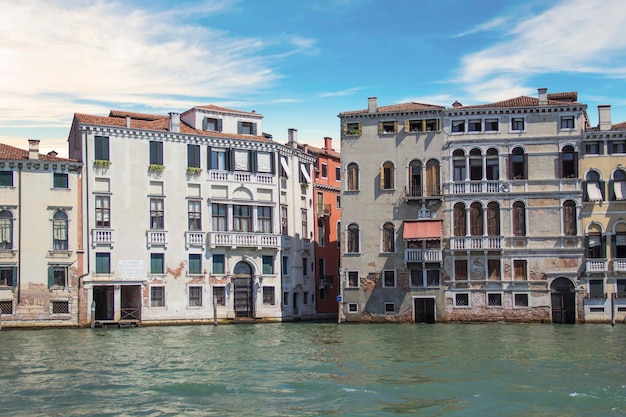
(60, 288)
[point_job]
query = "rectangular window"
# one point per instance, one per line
(157, 214)
(305, 224)
(193, 156)
(6, 307)
(157, 263)
(337, 173)
(218, 159)
(60, 231)
(101, 148)
(491, 125)
(268, 264)
(474, 125)
(353, 279)
(157, 296)
(242, 160)
(268, 296)
(284, 266)
(219, 296)
(493, 268)
(460, 270)
(305, 269)
(388, 127)
(218, 264)
(432, 277)
(417, 278)
(265, 162)
(494, 300)
(195, 296)
(338, 203)
(353, 307)
(156, 153)
(242, 218)
(324, 171)
(8, 275)
(521, 300)
(567, 122)
(246, 128)
(103, 263)
(264, 218)
(353, 128)
(517, 124)
(389, 278)
(284, 223)
(218, 213)
(194, 215)
(458, 126)
(305, 297)
(285, 298)
(103, 211)
(60, 307)
(592, 148)
(6, 178)
(57, 276)
(390, 307)
(212, 124)
(60, 180)
(195, 264)
(596, 288)
(461, 300)
(618, 146)
(520, 270)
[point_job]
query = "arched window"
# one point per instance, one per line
(595, 243)
(459, 165)
(569, 218)
(388, 238)
(493, 165)
(59, 231)
(518, 164)
(619, 241)
(493, 219)
(6, 230)
(476, 165)
(519, 219)
(353, 177)
(459, 220)
(415, 179)
(476, 219)
(568, 162)
(387, 180)
(619, 185)
(593, 187)
(432, 178)
(353, 238)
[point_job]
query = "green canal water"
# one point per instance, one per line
(310, 369)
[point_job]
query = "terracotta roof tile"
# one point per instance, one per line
(619, 126)
(133, 115)
(11, 153)
(570, 96)
(521, 101)
(394, 108)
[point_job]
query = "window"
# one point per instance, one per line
(421, 125)
(518, 164)
(593, 187)
(475, 165)
(209, 123)
(305, 223)
(242, 218)
(284, 221)
(157, 263)
(218, 212)
(493, 219)
(389, 278)
(324, 171)
(285, 298)
(596, 289)
(387, 176)
(494, 299)
(353, 238)
(474, 125)
(459, 166)
(246, 128)
(338, 202)
(521, 300)
(195, 264)
(458, 126)
(415, 178)
(103, 263)
(388, 238)
(337, 174)
(284, 266)
(218, 264)
(193, 156)
(60, 307)
(352, 128)
(387, 127)
(156, 153)
(157, 296)
(195, 296)
(305, 266)
(242, 160)
(101, 148)
(460, 220)
(6, 307)
(264, 217)
(353, 307)
(265, 162)
(219, 296)
(305, 297)
(517, 124)
(492, 163)
(321, 233)
(493, 269)
(60, 180)
(59, 231)
(322, 294)
(6, 178)
(8, 275)
(417, 278)
(519, 219)
(268, 296)
(567, 122)
(353, 177)
(432, 277)
(618, 146)
(569, 218)
(57, 276)
(568, 162)
(461, 300)
(338, 234)
(619, 185)
(595, 245)
(353, 279)
(157, 214)
(390, 307)
(194, 215)
(491, 125)
(476, 219)
(218, 159)
(268, 264)
(103, 211)
(460, 269)
(592, 148)
(520, 270)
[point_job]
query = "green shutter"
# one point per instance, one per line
(602, 187)
(204, 123)
(13, 276)
(239, 127)
(209, 159)
(219, 125)
(254, 129)
(50, 276)
(601, 147)
(603, 243)
(252, 162)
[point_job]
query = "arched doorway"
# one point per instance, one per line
(563, 297)
(244, 306)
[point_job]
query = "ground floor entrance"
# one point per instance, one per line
(563, 300)
(117, 303)
(424, 309)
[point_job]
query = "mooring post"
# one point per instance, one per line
(214, 310)
(0, 320)
(93, 314)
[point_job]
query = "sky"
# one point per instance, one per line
(298, 63)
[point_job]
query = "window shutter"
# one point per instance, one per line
(382, 177)
(204, 123)
(613, 246)
(525, 166)
(407, 127)
(380, 128)
(209, 160)
(239, 127)
(254, 129)
(345, 129)
(50, 277)
(560, 165)
(602, 187)
(252, 162)
(603, 246)
(219, 125)
(189, 155)
(575, 164)
(611, 190)
(360, 128)
(230, 158)
(272, 163)
(395, 126)
(601, 148)
(510, 167)
(585, 194)
(13, 276)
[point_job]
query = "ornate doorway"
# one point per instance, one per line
(243, 293)
(563, 297)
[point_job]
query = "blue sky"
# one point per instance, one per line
(299, 63)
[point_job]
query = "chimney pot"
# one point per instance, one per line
(33, 148)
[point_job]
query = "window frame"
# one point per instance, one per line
(157, 213)
(194, 296)
(194, 215)
(157, 296)
(389, 278)
(352, 279)
(6, 178)
(494, 300)
(459, 303)
(157, 263)
(103, 263)
(352, 177)
(194, 264)
(60, 227)
(567, 119)
(388, 238)
(193, 156)
(102, 212)
(156, 152)
(101, 148)
(218, 259)
(219, 295)
(389, 307)
(60, 181)
(353, 237)
(515, 122)
(269, 295)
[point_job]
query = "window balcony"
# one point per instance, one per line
(476, 243)
(249, 240)
(237, 176)
(156, 238)
(595, 298)
(477, 187)
(422, 255)
(324, 210)
(326, 281)
(597, 265)
(102, 237)
(619, 265)
(195, 239)
(418, 193)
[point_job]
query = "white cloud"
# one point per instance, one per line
(486, 26)
(340, 93)
(59, 145)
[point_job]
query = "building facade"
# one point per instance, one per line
(40, 247)
(193, 217)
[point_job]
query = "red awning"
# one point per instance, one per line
(423, 229)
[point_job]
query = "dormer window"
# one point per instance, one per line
(246, 128)
(212, 124)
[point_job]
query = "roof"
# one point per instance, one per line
(524, 101)
(224, 109)
(11, 153)
(320, 151)
(619, 126)
(395, 108)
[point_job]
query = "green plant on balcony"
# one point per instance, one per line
(101, 163)
(353, 132)
(194, 170)
(156, 168)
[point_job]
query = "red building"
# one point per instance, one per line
(327, 209)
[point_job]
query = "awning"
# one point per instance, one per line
(593, 191)
(285, 165)
(620, 190)
(307, 176)
(423, 229)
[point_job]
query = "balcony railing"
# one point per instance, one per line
(597, 265)
(418, 192)
(130, 314)
(477, 242)
(326, 281)
(324, 210)
(596, 297)
(224, 176)
(156, 238)
(102, 237)
(619, 265)
(197, 239)
(239, 239)
(422, 255)
(474, 187)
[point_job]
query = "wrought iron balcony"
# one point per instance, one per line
(597, 265)
(243, 239)
(422, 255)
(417, 192)
(324, 210)
(596, 297)
(326, 281)
(476, 242)
(102, 237)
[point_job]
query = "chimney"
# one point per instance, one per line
(292, 138)
(456, 104)
(33, 149)
(543, 96)
(604, 116)
(127, 121)
(175, 122)
(372, 104)
(328, 143)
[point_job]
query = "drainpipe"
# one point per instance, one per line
(19, 232)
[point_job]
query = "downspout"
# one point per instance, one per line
(19, 232)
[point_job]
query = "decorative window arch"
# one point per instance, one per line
(476, 219)
(518, 164)
(593, 187)
(353, 238)
(388, 237)
(568, 162)
(433, 178)
(618, 187)
(415, 178)
(387, 176)
(595, 242)
(60, 230)
(569, 218)
(519, 218)
(6, 230)
(352, 177)
(492, 164)
(476, 164)
(459, 165)
(459, 220)
(493, 219)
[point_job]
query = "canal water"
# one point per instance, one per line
(309, 369)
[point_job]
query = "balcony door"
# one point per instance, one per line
(244, 307)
